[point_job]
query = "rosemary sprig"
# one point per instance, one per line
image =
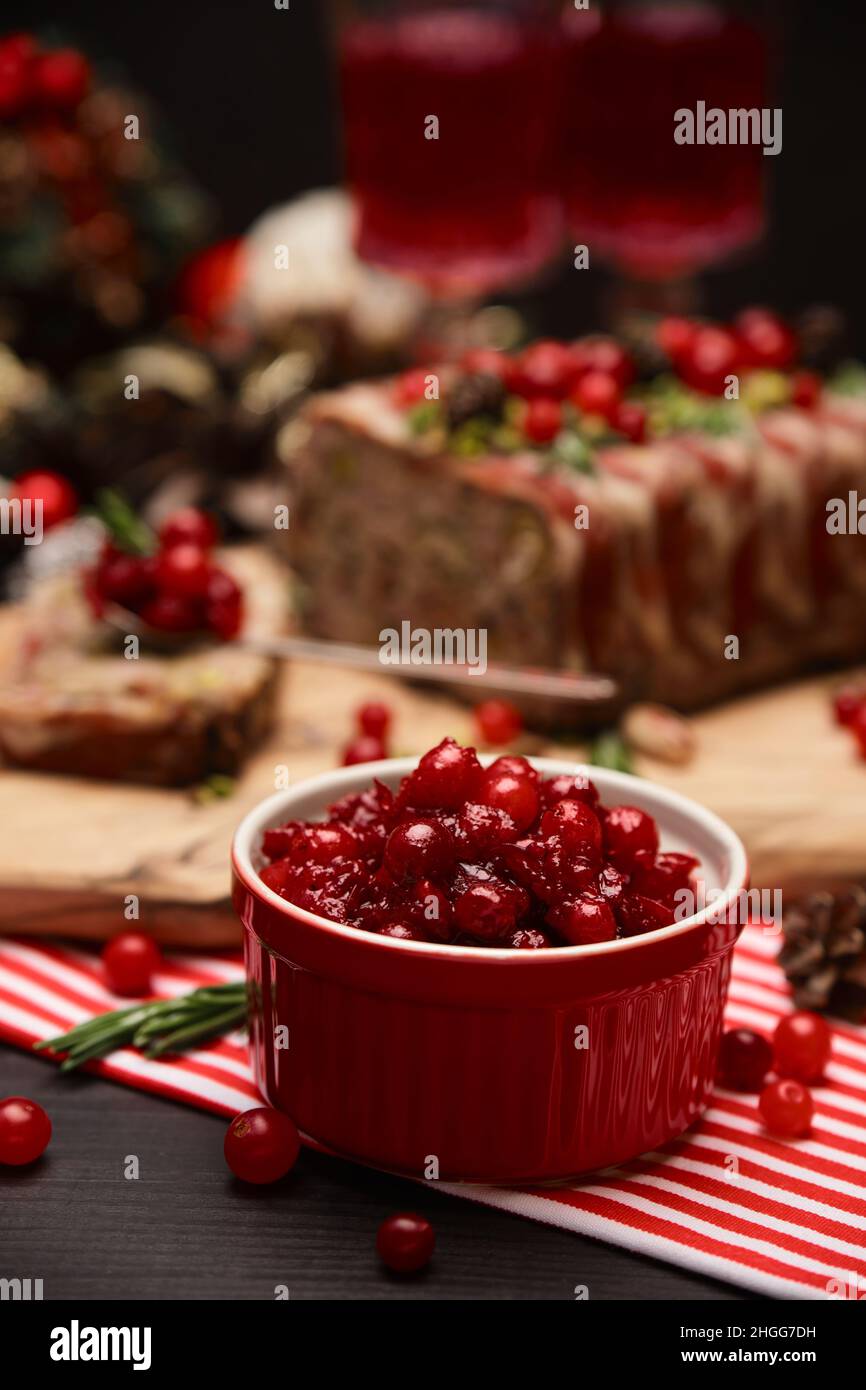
(161, 1026)
(127, 530)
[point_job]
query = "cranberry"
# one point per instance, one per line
(637, 915)
(571, 874)
(444, 778)
(675, 336)
(745, 1058)
(848, 703)
(364, 749)
(786, 1108)
(858, 729)
(486, 910)
(25, 1130)
(374, 718)
(714, 355)
(564, 787)
(583, 922)
(278, 876)
(62, 78)
(435, 909)
(405, 1242)
(529, 939)
(802, 1044)
(627, 830)
(487, 362)
(667, 875)
(17, 52)
(525, 861)
(765, 341)
(418, 848)
(598, 394)
(319, 844)
(124, 579)
(545, 370)
(411, 388)
(516, 796)
(611, 884)
(188, 526)
(542, 420)
(184, 569)
(484, 828)
(631, 419)
(261, 1145)
(605, 355)
(806, 390)
(577, 825)
(514, 765)
(57, 495)
(172, 613)
(129, 960)
(224, 605)
(277, 842)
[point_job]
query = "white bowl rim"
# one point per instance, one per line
(343, 781)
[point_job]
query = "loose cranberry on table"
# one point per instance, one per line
(847, 703)
(802, 1044)
(184, 569)
(411, 387)
(497, 721)
(224, 605)
(261, 1145)
(405, 1242)
(714, 355)
(631, 419)
(189, 526)
(374, 718)
(786, 1108)
(597, 393)
(605, 355)
(675, 336)
(745, 1058)
(367, 748)
(487, 362)
(130, 960)
(57, 495)
(25, 1130)
(546, 370)
(61, 79)
(806, 390)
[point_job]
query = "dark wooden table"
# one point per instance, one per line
(185, 1229)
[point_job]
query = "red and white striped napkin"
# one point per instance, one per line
(786, 1219)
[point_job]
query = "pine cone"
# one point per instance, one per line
(824, 952)
(471, 396)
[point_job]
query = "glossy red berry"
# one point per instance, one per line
(487, 911)
(745, 1058)
(598, 394)
(565, 787)
(224, 605)
(184, 569)
(444, 779)
(627, 832)
(847, 703)
(786, 1108)
(61, 79)
(713, 357)
(56, 494)
(631, 419)
(418, 849)
(364, 749)
(806, 390)
(607, 356)
(483, 829)
(17, 52)
(577, 825)
(542, 420)
(261, 1145)
(405, 1242)
(546, 370)
(584, 922)
(172, 613)
(374, 718)
(765, 340)
(25, 1130)
(638, 915)
(487, 362)
(516, 796)
(189, 526)
(124, 579)
(130, 960)
(802, 1044)
(675, 336)
(411, 387)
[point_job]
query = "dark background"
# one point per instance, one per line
(249, 94)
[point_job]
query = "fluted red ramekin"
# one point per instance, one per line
(469, 1063)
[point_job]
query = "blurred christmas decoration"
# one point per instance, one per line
(95, 217)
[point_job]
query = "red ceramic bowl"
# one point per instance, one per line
(484, 1065)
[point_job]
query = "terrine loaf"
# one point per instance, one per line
(679, 539)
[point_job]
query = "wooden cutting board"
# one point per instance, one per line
(774, 765)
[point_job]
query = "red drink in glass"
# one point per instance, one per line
(478, 205)
(656, 208)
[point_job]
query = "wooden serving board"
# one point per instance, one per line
(774, 765)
